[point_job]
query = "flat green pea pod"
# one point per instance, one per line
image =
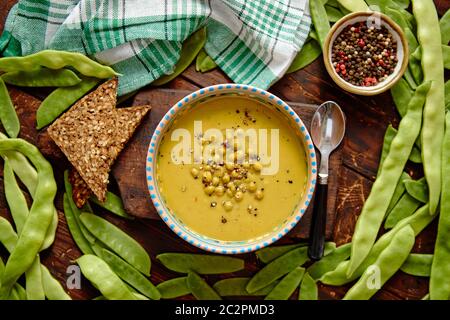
(308, 288)
(130, 275)
(418, 189)
(52, 288)
(329, 262)
(39, 219)
(426, 297)
(42, 78)
(8, 237)
(278, 268)
(389, 135)
(268, 254)
(286, 287)
(401, 94)
(418, 221)
(204, 62)
(34, 281)
(446, 55)
(61, 99)
(444, 25)
(173, 288)
(53, 59)
(333, 13)
(320, 20)
(388, 263)
(235, 287)
(354, 5)
(74, 228)
(429, 36)
(307, 55)
(414, 63)
(200, 263)
(440, 269)
(377, 204)
(447, 94)
(418, 264)
(113, 204)
(189, 51)
(8, 115)
(397, 17)
(120, 242)
(103, 278)
(18, 293)
(200, 289)
(405, 207)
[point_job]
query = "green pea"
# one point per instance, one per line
(389, 261)
(308, 288)
(61, 99)
(310, 51)
(418, 264)
(130, 275)
(444, 25)
(173, 288)
(120, 242)
(190, 49)
(113, 203)
(320, 20)
(418, 189)
(42, 78)
(329, 262)
(200, 263)
(200, 289)
(284, 289)
(234, 287)
(405, 207)
(53, 289)
(103, 278)
(204, 62)
(8, 115)
(278, 268)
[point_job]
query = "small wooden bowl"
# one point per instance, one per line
(402, 52)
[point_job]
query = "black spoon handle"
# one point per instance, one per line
(319, 218)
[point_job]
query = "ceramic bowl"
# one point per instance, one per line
(402, 52)
(170, 218)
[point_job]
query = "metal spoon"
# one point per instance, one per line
(327, 131)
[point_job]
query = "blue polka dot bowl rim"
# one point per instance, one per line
(214, 245)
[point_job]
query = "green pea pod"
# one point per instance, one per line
(428, 34)
(402, 94)
(173, 288)
(307, 55)
(320, 20)
(329, 262)
(34, 281)
(414, 64)
(8, 237)
(353, 5)
(286, 287)
(415, 156)
(113, 204)
(397, 17)
(418, 264)
(39, 219)
(447, 94)
(313, 35)
(130, 275)
(53, 59)
(103, 278)
(61, 99)
(8, 115)
(388, 137)
(398, 191)
(18, 292)
(204, 62)
(200, 263)
(200, 289)
(377, 204)
(440, 269)
(410, 79)
(278, 268)
(53, 289)
(446, 55)
(308, 288)
(444, 25)
(234, 287)
(418, 189)
(120, 242)
(426, 297)
(268, 254)
(74, 228)
(190, 49)
(333, 13)
(42, 78)
(331, 3)
(405, 207)
(389, 262)
(418, 221)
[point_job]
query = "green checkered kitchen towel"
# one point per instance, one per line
(253, 42)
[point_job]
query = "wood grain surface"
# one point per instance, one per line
(354, 170)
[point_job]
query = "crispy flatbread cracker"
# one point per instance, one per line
(80, 190)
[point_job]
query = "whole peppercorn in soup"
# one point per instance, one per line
(231, 168)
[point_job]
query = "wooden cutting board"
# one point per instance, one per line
(129, 169)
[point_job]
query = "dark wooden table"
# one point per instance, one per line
(367, 119)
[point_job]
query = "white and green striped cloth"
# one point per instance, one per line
(253, 41)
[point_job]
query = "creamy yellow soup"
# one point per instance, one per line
(261, 195)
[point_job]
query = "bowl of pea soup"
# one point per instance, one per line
(231, 168)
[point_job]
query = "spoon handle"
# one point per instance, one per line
(319, 217)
